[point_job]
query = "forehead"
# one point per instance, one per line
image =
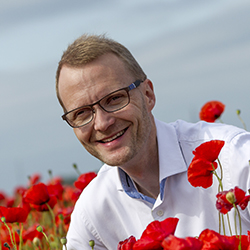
(87, 84)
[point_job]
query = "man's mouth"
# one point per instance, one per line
(119, 134)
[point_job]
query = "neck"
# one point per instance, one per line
(144, 169)
(147, 182)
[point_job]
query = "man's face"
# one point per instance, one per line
(114, 138)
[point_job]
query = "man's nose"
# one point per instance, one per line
(102, 119)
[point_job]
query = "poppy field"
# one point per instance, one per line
(37, 216)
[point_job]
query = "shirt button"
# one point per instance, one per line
(160, 213)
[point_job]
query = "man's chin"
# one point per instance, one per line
(114, 163)
(116, 160)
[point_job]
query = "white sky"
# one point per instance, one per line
(194, 51)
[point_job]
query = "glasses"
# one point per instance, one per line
(112, 102)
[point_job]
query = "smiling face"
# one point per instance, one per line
(114, 138)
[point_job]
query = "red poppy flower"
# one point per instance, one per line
(127, 244)
(154, 234)
(245, 242)
(34, 179)
(71, 194)
(56, 189)
(20, 190)
(65, 213)
(174, 243)
(55, 180)
(84, 179)
(37, 194)
(44, 207)
(226, 199)
(13, 214)
(200, 171)
(209, 150)
(211, 111)
(10, 202)
(2, 196)
(214, 240)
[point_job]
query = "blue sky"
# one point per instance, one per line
(194, 51)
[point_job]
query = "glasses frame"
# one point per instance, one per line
(127, 89)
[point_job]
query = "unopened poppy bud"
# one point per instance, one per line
(76, 168)
(92, 243)
(39, 229)
(3, 219)
(231, 197)
(64, 240)
(6, 245)
(50, 173)
(237, 111)
(36, 242)
(60, 216)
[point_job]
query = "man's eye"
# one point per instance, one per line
(79, 113)
(114, 99)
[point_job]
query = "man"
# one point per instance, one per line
(108, 100)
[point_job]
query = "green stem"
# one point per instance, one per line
(53, 217)
(220, 120)
(235, 223)
(229, 225)
(221, 170)
(220, 222)
(220, 188)
(21, 237)
(241, 120)
(11, 238)
(44, 234)
(76, 168)
(14, 235)
(223, 225)
(240, 226)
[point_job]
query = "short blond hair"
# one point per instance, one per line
(87, 48)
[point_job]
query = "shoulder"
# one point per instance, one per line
(204, 131)
(87, 218)
(191, 135)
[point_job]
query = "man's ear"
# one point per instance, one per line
(149, 94)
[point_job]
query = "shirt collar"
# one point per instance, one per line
(171, 161)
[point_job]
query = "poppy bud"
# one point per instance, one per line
(237, 111)
(3, 219)
(92, 243)
(231, 197)
(36, 242)
(64, 240)
(60, 216)
(6, 245)
(39, 229)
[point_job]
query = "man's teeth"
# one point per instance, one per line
(114, 137)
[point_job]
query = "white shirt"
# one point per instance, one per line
(110, 209)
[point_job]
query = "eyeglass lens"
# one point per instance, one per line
(110, 103)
